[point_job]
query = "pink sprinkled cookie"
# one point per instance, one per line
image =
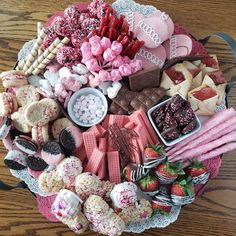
(68, 56)
(40, 134)
(26, 95)
(13, 78)
(8, 104)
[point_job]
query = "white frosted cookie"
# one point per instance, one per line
(58, 125)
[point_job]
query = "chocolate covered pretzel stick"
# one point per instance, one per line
(49, 56)
(34, 51)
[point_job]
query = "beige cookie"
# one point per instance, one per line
(8, 104)
(26, 95)
(20, 122)
(40, 134)
(42, 112)
(58, 125)
(13, 78)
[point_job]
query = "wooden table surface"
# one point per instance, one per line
(214, 213)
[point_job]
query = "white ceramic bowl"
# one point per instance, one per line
(182, 137)
(86, 91)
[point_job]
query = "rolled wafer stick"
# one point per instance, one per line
(50, 56)
(21, 64)
(39, 28)
(34, 51)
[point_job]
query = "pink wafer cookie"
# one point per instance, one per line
(114, 166)
(116, 119)
(106, 122)
(95, 161)
(142, 140)
(103, 169)
(102, 144)
(129, 125)
(90, 143)
(98, 130)
(80, 153)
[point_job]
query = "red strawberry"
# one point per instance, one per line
(160, 207)
(126, 173)
(153, 151)
(196, 168)
(170, 169)
(148, 184)
(183, 188)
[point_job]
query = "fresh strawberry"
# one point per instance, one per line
(160, 207)
(196, 168)
(170, 169)
(149, 183)
(153, 151)
(126, 173)
(183, 187)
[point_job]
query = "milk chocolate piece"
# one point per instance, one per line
(148, 78)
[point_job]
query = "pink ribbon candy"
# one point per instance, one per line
(95, 40)
(116, 47)
(96, 50)
(125, 70)
(115, 75)
(105, 43)
(92, 65)
(136, 65)
(103, 75)
(109, 55)
(117, 62)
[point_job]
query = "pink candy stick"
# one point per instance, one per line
(114, 166)
(190, 154)
(218, 151)
(215, 120)
(231, 122)
(90, 143)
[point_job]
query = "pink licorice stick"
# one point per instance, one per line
(190, 154)
(208, 136)
(218, 151)
(215, 120)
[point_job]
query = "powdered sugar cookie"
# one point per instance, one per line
(40, 113)
(8, 104)
(19, 121)
(40, 134)
(13, 78)
(26, 95)
(58, 125)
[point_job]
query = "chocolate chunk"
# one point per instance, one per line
(176, 103)
(148, 78)
(170, 120)
(184, 116)
(171, 134)
(36, 163)
(189, 127)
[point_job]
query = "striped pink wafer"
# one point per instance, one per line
(116, 119)
(106, 122)
(95, 161)
(114, 167)
(143, 137)
(130, 125)
(216, 120)
(102, 171)
(80, 153)
(90, 143)
(102, 144)
(110, 147)
(98, 130)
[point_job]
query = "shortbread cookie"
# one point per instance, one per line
(8, 104)
(19, 121)
(26, 95)
(42, 112)
(13, 78)
(58, 125)
(40, 134)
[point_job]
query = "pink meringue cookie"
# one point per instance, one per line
(60, 90)
(104, 75)
(136, 65)
(109, 55)
(94, 40)
(54, 67)
(116, 47)
(115, 75)
(96, 50)
(118, 61)
(125, 70)
(92, 65)
(105, 43)
(93, 81)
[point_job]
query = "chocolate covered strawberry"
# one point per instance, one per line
(126, 173)
(149, 184)
(133, 172)
(168, 172)
(161, 207)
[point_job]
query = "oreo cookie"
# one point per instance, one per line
(15, 160)
(36, 163)
(26, 145)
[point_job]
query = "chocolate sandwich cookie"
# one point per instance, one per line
(15, 160)
(26, 145)
(36, 163)
(5, 126)
(52, 153)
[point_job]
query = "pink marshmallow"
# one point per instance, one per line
(105, 43)
(136, 65)
(117, 62)
(92, 65)
(115, 75)
(116, 47)
(103, 75)
(96, 50)
(95, 40)
(125, 70)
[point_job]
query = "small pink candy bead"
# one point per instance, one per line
(115, 75)
(94, 40)
(117, 62)
(126, 60)
(136, 65)
(105, 43)
(93, 81)
(104, 75)
(96, 50)
(125, 70)
(116, 47)
(109, 55)
(92, 65)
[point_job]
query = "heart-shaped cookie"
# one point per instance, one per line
(42, 112)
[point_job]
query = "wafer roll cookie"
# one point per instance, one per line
(34, 51)
(39, 28)
(21, 64)
(51, 55)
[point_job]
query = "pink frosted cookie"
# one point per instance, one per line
(178, 46)
(152, 57)
(52, 153)
(40, 134)
(68, 169)
(66, 205)
(15, 160)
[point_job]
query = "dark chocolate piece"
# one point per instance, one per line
(36, 163)
(184, 116)
(189, 127)
(148, 78)
(14, 165)
(171, 134)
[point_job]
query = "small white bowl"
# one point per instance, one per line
(86, 91)
(182, 137)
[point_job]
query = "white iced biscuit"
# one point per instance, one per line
(66, 205)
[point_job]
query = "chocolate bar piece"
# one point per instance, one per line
(148, 78)
(147, 98)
